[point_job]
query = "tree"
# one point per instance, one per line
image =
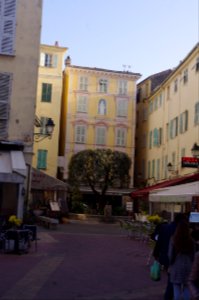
(99, 169)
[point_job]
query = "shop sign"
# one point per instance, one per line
(190, 162)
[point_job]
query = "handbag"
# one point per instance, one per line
(155, 271)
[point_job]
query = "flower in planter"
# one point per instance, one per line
(14, 220)
(155, 219)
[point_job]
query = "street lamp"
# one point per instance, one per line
(195, 150)
(171, 169)
(46, 126)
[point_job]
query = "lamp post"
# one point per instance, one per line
(195, 150)
(46, 129)
(171, 169)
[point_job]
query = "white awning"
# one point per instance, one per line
(12, 162)
(175, 194)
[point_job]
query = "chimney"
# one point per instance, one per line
(67, 61)
(57, 44)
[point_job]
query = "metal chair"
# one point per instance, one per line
(16, 241)
(33, 230)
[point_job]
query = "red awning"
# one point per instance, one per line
(175, 181)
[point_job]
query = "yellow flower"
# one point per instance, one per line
(14, 220)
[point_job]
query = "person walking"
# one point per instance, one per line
(166, 231)
(193, 281)
(181, 255)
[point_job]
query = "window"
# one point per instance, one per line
(103, 86)
(46, 92)
(185, 76)
(156, 103)
(100, 135)
(176, 85)
(167, 131)
(5, 88)
(153, 168)
(44, 121)
(196, 116)
(165, 166)
(42, 159)
(168, 92)
(82, 104)
(149, 169)
(174, 128)
(122, 108)
(197, 64)
(150, 107)
(158, 169)
(80, 134)
(183, 121)
(48, 60)
(122, 87)
(102, 107)
(7, 26)
(160, 100)
(150, 139)
(155, 137)
(83, 83)
(160, 136)
(120, 136)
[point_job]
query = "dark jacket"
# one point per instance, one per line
(193, 281)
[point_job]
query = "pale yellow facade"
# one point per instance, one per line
(169, 127)
(100, 107)
(48, 105)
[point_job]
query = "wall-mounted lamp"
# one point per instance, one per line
(195, 150)
(46, 126)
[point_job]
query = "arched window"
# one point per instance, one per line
(102, 107)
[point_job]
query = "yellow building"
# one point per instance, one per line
(48, 106)
(99, 108)
(20, 26)
(170, 126)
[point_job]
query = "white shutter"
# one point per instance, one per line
(42, 59)
(7, 26)
(5, 84)
(55, 61)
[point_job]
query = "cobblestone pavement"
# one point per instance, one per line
(80, 261)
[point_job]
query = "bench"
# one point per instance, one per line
(48, 222)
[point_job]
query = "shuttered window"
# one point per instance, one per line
(100, 135)
(48, 60)
(5, 88)
(80, 134)
(7, 26)
(42, 159)
(46, 92)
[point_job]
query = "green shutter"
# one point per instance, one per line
(46, 92)
(42, 159)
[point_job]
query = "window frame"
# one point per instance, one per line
(46, 92)
(7, 27)
(80, 137)
(100, 138)
(121, 134)
(5, 93)
(42, 159)
(122, 108)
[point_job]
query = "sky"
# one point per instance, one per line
(141, 36)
